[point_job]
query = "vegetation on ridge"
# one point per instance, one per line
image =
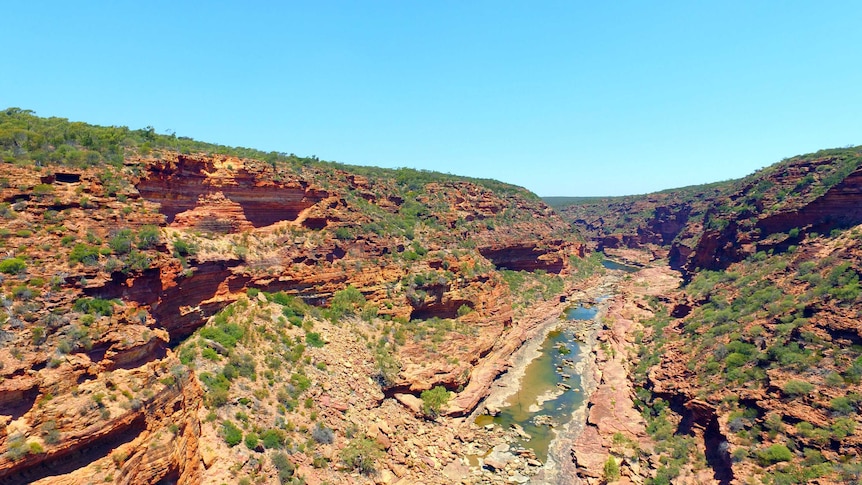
(27, 138)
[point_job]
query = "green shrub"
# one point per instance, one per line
(230, 433)
(188, 355)
(217, 398)
(50, 433)
(244, 365)
(16, 447)
(797, 388)
(300, 382)
(23, 292)
(137, 261)
(183, 248)
(251, 441)
(735, 359)
(844, 282)
(148, 237)
(611, 469)
(210, 354)
(284, 466)
(273, 438)
(84, 254)
(433, 400)
(217, 388)
(361, 454)
(229, 372)
(43, 189)
(774, 454)
(37, 335)
(12, 266)
(842, 428)
(95, 306)
(319, 461)
(214, 381)
(347, 301)
(121, 241)
(226, 335)
(314, 339)
(841, 405)
(464, 310)
(387, 367)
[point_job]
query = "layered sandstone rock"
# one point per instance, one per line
(772, 211)
(191, 189)
(91, 395)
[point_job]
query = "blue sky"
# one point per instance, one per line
(564, 98)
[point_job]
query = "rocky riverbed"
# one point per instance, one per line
(507, 461)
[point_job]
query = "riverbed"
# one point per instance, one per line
(542, 399)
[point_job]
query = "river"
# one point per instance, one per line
(542, 401)
(549, 391)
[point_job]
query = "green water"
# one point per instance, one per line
(554, 366)
(610, 264)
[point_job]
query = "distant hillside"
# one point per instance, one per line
(801, 191)
(775, 208)
(636, 221)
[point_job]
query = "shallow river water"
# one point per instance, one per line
(549, 391)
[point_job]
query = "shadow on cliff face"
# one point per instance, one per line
(18, 403)
(698, 415)
(524, 256)
(717, 455)
(166, 303)
(180, 185)
(76, 457)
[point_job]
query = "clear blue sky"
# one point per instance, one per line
(564, 98)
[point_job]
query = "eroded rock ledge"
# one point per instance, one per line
(83, 391)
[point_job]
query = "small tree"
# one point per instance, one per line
(611, 469)
(347, 301)
(361, 454)
(433, 400)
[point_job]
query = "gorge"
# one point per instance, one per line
(179, 312)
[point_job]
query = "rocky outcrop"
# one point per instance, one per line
(85, 435)
(223, 194)
(754, 219)
(838, 208)
(525, 256)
